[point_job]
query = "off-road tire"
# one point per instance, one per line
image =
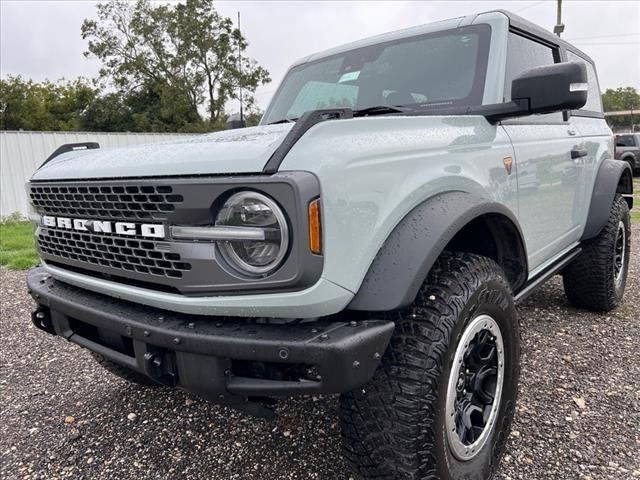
(589, 281)
(394, 427)
(124, 372)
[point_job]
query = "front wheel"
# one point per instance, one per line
(441, 403)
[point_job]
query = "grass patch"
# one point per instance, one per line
(17, 250)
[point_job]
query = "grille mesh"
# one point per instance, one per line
(126, 254)
(143, 202)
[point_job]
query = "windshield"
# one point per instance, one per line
(445, 68)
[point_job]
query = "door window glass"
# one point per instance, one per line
(524, 54)
(594, 101)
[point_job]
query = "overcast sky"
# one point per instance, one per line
(41, 39)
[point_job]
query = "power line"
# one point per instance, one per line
(609, 43)
(531, 5)
(604, 36)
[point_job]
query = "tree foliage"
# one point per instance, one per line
(182, 56)
(620, 99)
(26, 105)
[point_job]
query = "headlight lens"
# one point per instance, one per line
(255, 210)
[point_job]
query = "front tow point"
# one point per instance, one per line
(41, 318)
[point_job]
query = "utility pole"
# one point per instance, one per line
(240, 69)
(559, 28)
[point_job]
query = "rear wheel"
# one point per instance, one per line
(441, 403)
(596, 280)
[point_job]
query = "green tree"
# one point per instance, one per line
(27, 105)
(186, 54)
(144, 110)
(620, 99)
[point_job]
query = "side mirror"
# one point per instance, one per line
(552, 88)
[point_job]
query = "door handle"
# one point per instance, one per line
(578, 153)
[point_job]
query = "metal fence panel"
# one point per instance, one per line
(22, 152)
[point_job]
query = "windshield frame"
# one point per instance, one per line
(483, 30)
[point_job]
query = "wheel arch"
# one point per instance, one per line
(452, 220)
(614, 176)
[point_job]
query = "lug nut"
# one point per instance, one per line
(146, 333)
(376, 356)
(356, 364)
(176, 340)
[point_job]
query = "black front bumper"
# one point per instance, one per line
(223, 359)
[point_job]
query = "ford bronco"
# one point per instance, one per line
(371, 238)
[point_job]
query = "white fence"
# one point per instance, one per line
(22, 152)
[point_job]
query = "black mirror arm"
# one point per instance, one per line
(499, 111)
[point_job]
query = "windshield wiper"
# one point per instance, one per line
(378, 110)
(284, 120)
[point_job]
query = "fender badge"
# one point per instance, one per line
(508, 163)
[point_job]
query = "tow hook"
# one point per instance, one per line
(160, 365)
(41, 318)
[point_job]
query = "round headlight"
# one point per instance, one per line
(255, 212)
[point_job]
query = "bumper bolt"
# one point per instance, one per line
(283, 353)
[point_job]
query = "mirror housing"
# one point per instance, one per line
(548, 89)
(552, 88)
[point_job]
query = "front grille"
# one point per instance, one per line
(109, 249)
(125, 202)
(132, 255)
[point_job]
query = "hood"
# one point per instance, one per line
(244, 150)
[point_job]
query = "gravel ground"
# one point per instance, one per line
(63, 416)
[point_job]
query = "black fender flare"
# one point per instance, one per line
(404, 260)
(609, 181)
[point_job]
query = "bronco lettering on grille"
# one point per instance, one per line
(150, 230)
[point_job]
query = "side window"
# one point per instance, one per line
(625, 141)
(524, 54)
(594, 101)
